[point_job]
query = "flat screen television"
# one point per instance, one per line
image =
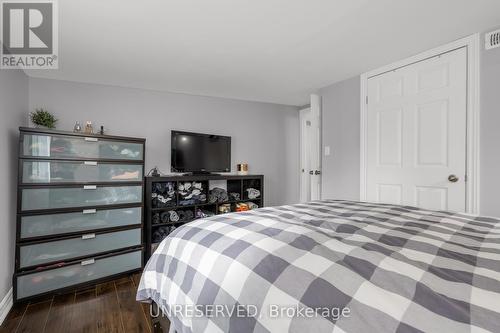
(200, 153)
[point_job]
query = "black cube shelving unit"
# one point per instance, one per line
(233, 183)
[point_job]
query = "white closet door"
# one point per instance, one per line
(416, 134)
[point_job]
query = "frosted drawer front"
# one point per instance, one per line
(60, 146)
(63, 197)
(74, 172)
(56, 251)
(41, 282)
(53, 224)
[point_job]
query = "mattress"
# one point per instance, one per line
(329, 266)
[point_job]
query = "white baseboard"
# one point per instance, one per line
(6, 305)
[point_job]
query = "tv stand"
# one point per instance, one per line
(158, 209)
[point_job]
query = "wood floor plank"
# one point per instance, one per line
(146, 307)
(108, 313)
(61, 313)
(13, 319)
(131, 311)
(35, 317)
(84, 312)
(125, 279)
(107, 307)
(136, 278)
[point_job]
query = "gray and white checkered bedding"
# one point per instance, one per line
(395, 268)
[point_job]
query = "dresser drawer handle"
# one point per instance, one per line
(91, 139)
(89, 211)
(90, 187)
(90, 163)
(88, 262)
(88, 236)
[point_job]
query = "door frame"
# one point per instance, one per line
(314, 108)
(302, 151)
(472, 44)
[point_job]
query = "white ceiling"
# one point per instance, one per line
(263, 50)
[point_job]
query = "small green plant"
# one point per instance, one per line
(42, 117)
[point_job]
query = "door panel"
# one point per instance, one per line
(435, 198)
(389, 127)
(390, 193)
(432, 134)
(416, 134)
(391, 86)
(433, 77)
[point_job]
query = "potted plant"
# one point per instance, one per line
(42, 118)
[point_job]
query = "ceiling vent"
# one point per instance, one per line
(492, 39)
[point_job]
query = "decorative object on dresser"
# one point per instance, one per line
(80, 210)
(175, 200)
(43, 119)
(89, 128)
(77, 128)
(242, 169)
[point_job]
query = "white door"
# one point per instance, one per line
(416, 134)
(310, 151)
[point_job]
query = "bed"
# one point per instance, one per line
(329, 266)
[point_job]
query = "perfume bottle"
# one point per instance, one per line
(89, 129)
(77, 128)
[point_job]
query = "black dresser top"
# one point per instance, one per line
(81, 134)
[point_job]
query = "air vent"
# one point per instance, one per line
(492, 39)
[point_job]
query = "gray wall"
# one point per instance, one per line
(490, 131)
(340, 128)
(341, 132)
(264, 135)
(13, 109)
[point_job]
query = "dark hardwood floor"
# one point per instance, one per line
(106, 307)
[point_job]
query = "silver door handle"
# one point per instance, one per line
(311, 172)
(317, 172)
(452, 178)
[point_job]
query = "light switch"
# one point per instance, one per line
(327, 150)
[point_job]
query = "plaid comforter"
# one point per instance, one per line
(389, 268)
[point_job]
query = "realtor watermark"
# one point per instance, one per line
(250, 311)
(298, 311)
(29, 34)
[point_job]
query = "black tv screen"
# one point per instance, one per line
(196, 152)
